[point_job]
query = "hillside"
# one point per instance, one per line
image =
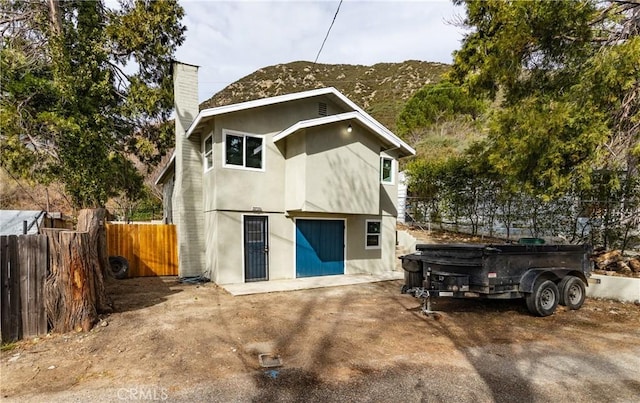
(381, 89)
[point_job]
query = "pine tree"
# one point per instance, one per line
(567, 78)
(83, 88)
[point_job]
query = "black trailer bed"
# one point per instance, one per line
(492, 271)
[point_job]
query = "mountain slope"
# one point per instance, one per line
(381, 89)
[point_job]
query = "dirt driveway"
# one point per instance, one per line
(172, 341)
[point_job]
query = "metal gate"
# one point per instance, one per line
(319, 247)
(256, 248)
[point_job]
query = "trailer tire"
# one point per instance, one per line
(544, 298)
(572, 292)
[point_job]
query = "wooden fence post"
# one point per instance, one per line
(11, 324)
(33, 269)
(23, 266)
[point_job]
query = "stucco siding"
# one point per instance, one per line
(389, 192)
(342, 171)
(295, 172)
(362, 260)
(227, 247)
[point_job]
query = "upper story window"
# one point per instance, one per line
(242, 150)
(207, 152)
(386, 170)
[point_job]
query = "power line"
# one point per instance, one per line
(329, 30)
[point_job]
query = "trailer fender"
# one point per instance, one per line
(555, 274)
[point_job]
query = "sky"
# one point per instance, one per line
(232, 39)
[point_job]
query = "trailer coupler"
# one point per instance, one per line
(422, 293)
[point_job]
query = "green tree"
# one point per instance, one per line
(435, 103)
(426, 182)
(567, 78)
(83, 88)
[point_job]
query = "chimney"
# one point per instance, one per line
(185, 95)
(187, 203)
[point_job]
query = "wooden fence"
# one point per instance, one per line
(23, 268)
(151, 249)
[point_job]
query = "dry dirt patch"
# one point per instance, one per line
(180, 335)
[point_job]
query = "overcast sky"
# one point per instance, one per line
(231, 39)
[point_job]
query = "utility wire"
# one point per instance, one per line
(24, 189)
(329, 30)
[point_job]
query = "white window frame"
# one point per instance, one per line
(227, 132)
(393, 176)
(205, 154)
(367, 233)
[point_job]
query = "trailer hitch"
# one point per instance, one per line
(422, 293)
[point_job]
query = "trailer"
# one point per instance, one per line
(544, 275)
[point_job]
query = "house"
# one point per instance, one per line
(297, 185)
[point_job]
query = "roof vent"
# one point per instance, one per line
(322, 109)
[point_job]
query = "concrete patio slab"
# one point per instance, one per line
(260, 287)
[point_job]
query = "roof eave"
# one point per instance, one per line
(255, 103)
(363, 119)
(165, 171)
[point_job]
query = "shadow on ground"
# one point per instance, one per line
(132, 294)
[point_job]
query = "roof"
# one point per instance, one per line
(12, 221)
(373, 124)
(167, 169)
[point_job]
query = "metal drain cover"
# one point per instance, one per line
(269, 360)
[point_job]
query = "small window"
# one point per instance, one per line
(207, 153)
(243, 150)
(373, 234)
(386, 170)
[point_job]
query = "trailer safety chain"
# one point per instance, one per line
(420, 292)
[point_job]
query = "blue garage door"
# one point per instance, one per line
(319, 247)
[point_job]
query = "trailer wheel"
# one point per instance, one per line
(572, 292)
(544, 298)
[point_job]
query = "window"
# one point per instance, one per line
(386, 170)
(207, 153)
(373, 234)
(243, 150)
